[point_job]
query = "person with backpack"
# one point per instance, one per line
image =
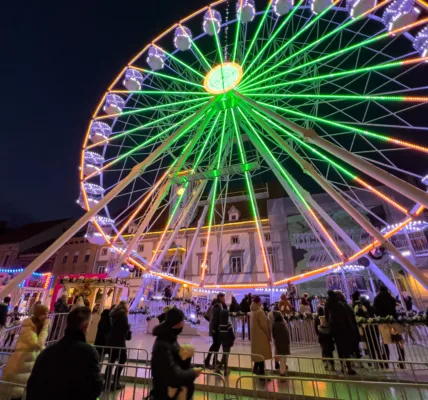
(227, 339)
(213, 313)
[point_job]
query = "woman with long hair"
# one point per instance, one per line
(30, 342)
(260, 336)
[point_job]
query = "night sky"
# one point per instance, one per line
(57, 59)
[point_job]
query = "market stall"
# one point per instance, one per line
(34, 288)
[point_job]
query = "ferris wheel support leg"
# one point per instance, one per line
(79, 224)
(332, 223)
(161, 195)
(375, 268)
(76, 227)
(191, 247)
(184, 214)
(309, 135)
(142, 227)
(309, 169)
(280, 172)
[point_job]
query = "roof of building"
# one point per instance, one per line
(39, 248)
(25, 232)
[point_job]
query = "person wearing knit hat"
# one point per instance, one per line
(174, 316)
(172, 375)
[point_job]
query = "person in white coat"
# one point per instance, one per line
(31, 341)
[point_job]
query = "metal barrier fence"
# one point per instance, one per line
(334, 368)
(135, 383)
(290, 388)
(395, 341)
(402, 342)
(302, 332)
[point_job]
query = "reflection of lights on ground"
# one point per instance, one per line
(223, 78)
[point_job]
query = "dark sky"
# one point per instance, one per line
(57, 59)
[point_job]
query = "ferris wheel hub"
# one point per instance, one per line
(223, 78)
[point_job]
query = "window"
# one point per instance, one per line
(267, 237)
(64, 258)
(203, 242)
(138, 273)
(87, 256)
(272, 261)
(207, 264)
(172, 266)
(104, 252)
(75, 257)
(234, 240)
(140, 250)
(236, 264)
(101, 269)
(233, 214)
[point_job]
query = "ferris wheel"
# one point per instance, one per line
(316, 95)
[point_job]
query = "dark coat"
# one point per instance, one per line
(4, 308)
(61, 307)
(119, 328)
(215, 319)
(281, 335)
(325, 338)
(245, 305)
(69, 369)
(104, 327)
(384, 305)
(341, 321)
(234, 306)
(227, 336)
(168, 369)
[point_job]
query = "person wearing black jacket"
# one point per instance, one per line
(342, 326)
(4, 310)
(103, 330)
(384, 305)
(227, 339)
(216, 307)
(168, 369)
(245, 305)
(79, 376)
(119, 333)
(234, 306)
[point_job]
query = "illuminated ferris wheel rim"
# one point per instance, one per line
(234, 84)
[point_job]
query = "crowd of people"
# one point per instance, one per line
(79, 375)
(173, 374)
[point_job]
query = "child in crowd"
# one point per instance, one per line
(227, 339)
(281, 338)
(325, 338)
